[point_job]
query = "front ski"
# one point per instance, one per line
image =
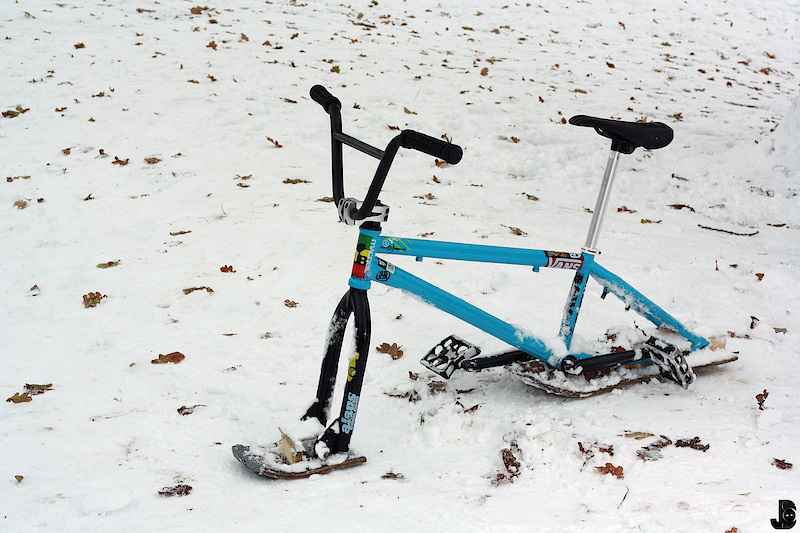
(269, 461)
(541, 376)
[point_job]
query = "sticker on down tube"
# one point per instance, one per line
(567, 261)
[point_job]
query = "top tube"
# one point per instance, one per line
(421, 248)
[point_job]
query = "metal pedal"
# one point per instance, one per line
(447, 356)
(670, 360)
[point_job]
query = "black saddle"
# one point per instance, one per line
(628, 136)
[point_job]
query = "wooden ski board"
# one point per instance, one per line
(258, 463)
(537, 374)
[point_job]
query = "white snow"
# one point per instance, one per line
(769, 418)
(102, 83)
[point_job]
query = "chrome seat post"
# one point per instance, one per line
(602, 204)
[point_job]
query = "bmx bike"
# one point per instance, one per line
(671, 352)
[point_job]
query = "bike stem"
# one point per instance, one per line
(602, 203)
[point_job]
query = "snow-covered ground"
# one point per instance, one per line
(209, 109)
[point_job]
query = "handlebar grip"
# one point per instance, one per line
(426, 144)
(321, 96)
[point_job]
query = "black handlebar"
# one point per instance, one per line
(426, 144)
(451, 153)
(321, 96)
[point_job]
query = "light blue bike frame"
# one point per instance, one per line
(583, 264)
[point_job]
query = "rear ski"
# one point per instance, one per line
(580, 378)
(537, 374)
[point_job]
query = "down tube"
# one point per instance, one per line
(642, 305)
(392, 276)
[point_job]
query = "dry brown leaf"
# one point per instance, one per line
(34, 389)
(694, 444)
(93, 299)
(437, 386)
(412, 395)
(615, 471)
(513, 467)
(174, 357)
(530, 197)
(185, 411)
(469, 409)
(20, 398)
(393, 350)
(652, 452)
(190, 290)
(638, 435)
(783, 465)
(761, 398)
(177, 490)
